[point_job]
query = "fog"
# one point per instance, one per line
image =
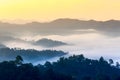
(92, 45)
(91, 38)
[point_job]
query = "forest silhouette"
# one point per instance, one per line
(75, 67)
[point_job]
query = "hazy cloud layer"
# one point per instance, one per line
(62, 27)
(91, 38)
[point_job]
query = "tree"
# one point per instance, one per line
(101, 59)
(18, 60)
(111, 61)
(48, 65)
(117, 64)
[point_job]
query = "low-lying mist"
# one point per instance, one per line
(91, 38)
(92, 45)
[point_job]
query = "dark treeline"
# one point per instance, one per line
(30, 55)
(71, 68)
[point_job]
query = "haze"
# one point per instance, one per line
(91, 38)
(89, 27)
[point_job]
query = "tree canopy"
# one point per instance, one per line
(71, 68)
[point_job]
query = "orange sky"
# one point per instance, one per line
(46, 10)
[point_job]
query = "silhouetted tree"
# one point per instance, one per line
(111, 61)
(71, 68)
(117, 64)
(19, 60)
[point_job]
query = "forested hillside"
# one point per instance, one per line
(30, 55)
(71, 68)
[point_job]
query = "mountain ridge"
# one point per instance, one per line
(59, 20)
(63, 27)
(44, 42)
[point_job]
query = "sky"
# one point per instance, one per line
(47, 10)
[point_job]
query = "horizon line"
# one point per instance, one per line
(22, 21)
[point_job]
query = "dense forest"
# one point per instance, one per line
(70, 68)
(29, 55)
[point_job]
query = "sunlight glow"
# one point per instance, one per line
(45, 10)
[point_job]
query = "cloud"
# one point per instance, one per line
(91, 38)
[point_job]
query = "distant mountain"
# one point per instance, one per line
(49, 43)
(29, 55)
(62, 27)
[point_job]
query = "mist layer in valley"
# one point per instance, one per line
(91, 38)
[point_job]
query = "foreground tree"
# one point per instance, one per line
(19, 60)
(71, 68)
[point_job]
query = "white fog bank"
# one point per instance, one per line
(92, 45)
